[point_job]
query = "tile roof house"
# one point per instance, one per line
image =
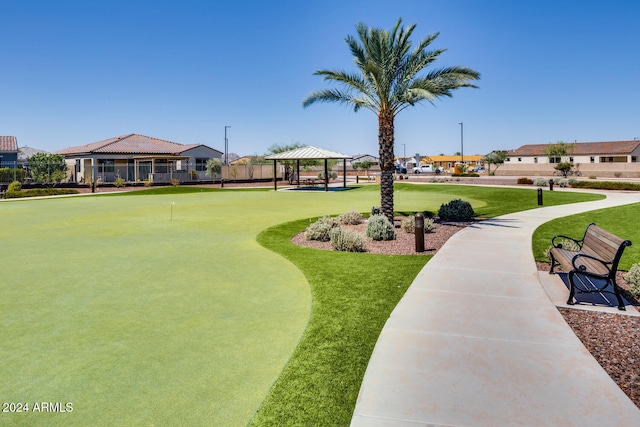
(603, 159)
(8, 151)
(135, 157)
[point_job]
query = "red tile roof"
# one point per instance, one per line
(582, 148)
(128, 144)
(8, 143)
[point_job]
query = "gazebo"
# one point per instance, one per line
(309, 153)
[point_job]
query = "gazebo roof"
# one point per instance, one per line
(308, 153)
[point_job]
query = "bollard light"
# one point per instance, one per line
(419, 226)
(539, 196)
(551, 185)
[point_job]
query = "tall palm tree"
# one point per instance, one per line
(387, 83)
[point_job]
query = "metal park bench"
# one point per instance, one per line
(598, 257)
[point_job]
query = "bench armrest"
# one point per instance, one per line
(576, 258)
(561, 236)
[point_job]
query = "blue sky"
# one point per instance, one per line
(75, 72)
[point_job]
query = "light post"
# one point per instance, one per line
(226, 146)
(461, 143)
(404, 154)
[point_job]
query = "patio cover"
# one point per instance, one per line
(310, 153)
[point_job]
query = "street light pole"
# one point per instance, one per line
(226, 146)
(404, 154)
(461, 143)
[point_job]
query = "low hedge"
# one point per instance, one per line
(466, 175)
(606, 185)
(39, 192)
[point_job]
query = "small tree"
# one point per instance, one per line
(214, 167)
(47, 168)
(497, 158)
(365, 166)
(254, 161)
(560, 150)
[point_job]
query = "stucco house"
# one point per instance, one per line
(8, 151)
(603, 159)
(135, 157)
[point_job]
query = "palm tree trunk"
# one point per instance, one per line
(386, 142)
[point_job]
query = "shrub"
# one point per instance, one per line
(332, 175)
(429, 226)
(525, 181)
(175, 182)
(119, 182)
(380, 228)
(350, 218)
(563, 183)
(375, 210)
(541, 182)
(13, 191)
(617, 174)
(346, 241)
(11, 174)
(148, 182)
(606, 185)
(592, 177)
(408, 224)
(456, 210)
(633, 279)
(569, 245)
(320, 229)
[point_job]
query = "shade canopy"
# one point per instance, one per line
(309, 153)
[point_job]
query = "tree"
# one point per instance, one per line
(214, 167)
(387, 82)
(560, 151)
(497, 158)
(288, 164)
(47, 168)
(365, 166)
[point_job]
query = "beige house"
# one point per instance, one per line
(601, 159)
(136, 157)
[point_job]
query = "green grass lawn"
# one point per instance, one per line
(161, 308)
(621, 220)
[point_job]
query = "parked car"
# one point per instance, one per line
(428, 169)
(400, 169)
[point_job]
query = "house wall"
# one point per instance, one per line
(600, 170)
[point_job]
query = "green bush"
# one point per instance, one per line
(320, 229)
(380, 228)
(332, 175)
(466, 175)
(350, 218)
(525, 181)
(633, 279)
(563, 183)
(541, 182)
(605, 185)
(375, 210)
(10, 175)
(346, 241)
(456, 210)
(13, 191)
(119, 182)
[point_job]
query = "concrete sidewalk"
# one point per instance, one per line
(476, 341)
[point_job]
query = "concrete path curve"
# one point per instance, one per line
(476, 341)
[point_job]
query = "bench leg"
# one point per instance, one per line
(616, 291)
(553, 265)
(572, 288)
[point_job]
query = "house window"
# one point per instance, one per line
(161, 166)
(571, 159)
(106, 166)
(508, 159)
(592, 159)
(77, 165)
(519, 159)
(201, 164)
(554, 160)
(535, 160)
(634, 159)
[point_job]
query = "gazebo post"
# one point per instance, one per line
(275, 178)
(344, 173)
(298, 171)
(326, 175)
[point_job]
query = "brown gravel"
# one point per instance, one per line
(613, 339)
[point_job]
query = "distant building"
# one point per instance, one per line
(601, 159)
(8, 151)
(136, 157)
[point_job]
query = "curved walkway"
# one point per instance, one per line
(476, 341)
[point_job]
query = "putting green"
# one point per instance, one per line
(151, 309)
